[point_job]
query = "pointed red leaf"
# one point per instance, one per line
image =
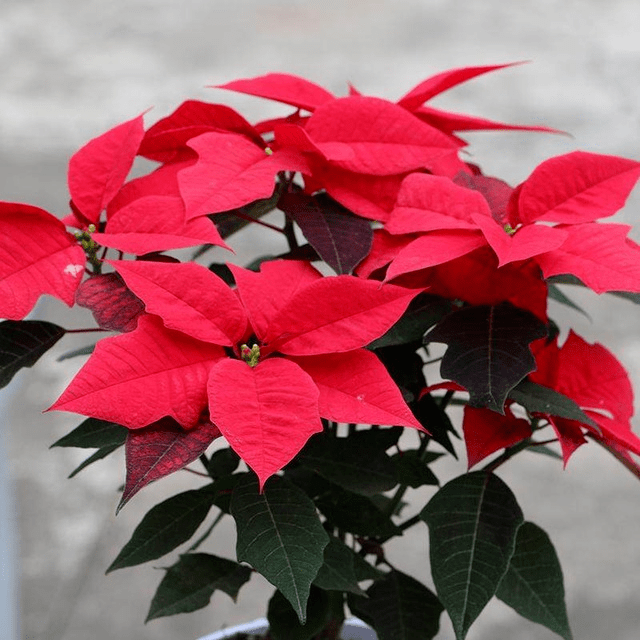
(160, 449)
(356, 387)
(112, 304)
(486, 431)
(188, 297)
(569, 435)
(431, 249)
(167, 137)
(449, 122)
(384, 249)
(156, 223)
(97, 170)
(433, 203)
(384, 138)
(231, 171)
(137, 378)
(263, 294)
(37, 256)
(442, 81)
(161, 182)
(312, 323)
(282, 87)
(496, 192)
(267, 412)
(600, 255)
(527, 241)
(577, 187)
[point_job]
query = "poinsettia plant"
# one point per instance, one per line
(310, 390)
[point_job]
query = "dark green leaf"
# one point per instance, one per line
(533, 584)
(101, 453)
(559, 296)
(436, 420)
(571, 279)
(81, 351)
(363, 469)
(488, 350)
(221, 269)
(544, 450)
(412, 470)
(22, 343)
(341, 239)
(280, 535)
(405, 366)
(284, 623)
(355, 513)
(222, 490)
(399, 608)
(364, 570)
(189, 584)
(94, 434)
(164, 527)
(223, 462)
(338, 570)
(536, 398)
(423, 312)
(473, 521)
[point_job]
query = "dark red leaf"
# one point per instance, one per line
(341, 239)
(112, 304)
(160, 449)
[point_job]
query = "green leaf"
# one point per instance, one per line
(284, 623)
(22, 343)
(559, 296)
(338, 570)
(488, 350)
(571, 279)
(355, 513)
(189, 584)
(280, 535)
(412, 470)
(164, 527)
(101, 453)
(473, 521)
(363, 469)
(223, 462)
(423, 312)
(94, 434)
(536, 398)
(533, 584)
(544, 450)
(364, 570)
(74, 353)
(399, 608)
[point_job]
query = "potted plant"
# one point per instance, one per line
(312, 390)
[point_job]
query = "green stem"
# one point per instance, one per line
(206, 534)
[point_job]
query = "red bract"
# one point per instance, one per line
(37, 256)
(291, 310)
(97, 171)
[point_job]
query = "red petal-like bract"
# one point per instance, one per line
(112, 304)
(314, 322)
(432, 203)
(356, 387)
(600, 255)
(267, 412)
(97, 170)
(37, 256)
(264, 294)
(486, 431)
(156, 223)
(168, 138)
(384, 139)
(188, 297)
(577, 187)
(231, 171)
(282, 87)
(160, 449)
(137, 378)
(439, 83)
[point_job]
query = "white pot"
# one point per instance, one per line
(353, 629)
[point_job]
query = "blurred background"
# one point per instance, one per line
(72, 69)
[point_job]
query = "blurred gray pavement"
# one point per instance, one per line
(70, 70)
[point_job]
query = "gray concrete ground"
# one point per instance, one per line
(72, 69)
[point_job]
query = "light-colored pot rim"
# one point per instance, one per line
(261, 625)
